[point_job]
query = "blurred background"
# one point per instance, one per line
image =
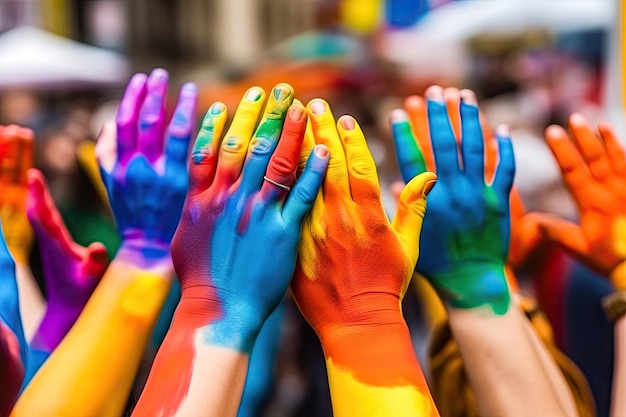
(64, 65)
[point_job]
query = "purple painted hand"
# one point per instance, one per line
(71, 272)
(145, 169)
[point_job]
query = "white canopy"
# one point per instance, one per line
(33, 58)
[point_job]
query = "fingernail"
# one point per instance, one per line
(468, 97)
(347, 123)
(217, 108)
(398, 116)
(318, 107)
(138, 79)
(253, 94)
(503, 131)
(189, 88)
(295, 113)
(321, 151)
(429, 186)
(577, 119)
(434, 93)
(159, 74)
(282, 93)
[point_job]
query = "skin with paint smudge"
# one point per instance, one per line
(143, 164)
(465, 237)
(13, 347)
(234, 251)
(71, 272)
(594, 172)
(352, 273)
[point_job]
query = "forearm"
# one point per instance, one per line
(510, 369)
(101, 352)
(374, 372)
(618, 400)
(32, 303)
(53, 328)
(190, 376)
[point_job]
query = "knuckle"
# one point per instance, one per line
(233, 144)
(261, 146)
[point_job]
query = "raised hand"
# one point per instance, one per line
(594, 172)
(525, 236)
(465, 238)
(13, 346)
(234, 250)
(71, 272)
(146, 176)
(352, 273)
(143, 164)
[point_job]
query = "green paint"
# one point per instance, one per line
(410, 156)
(476, 258)
(206, 135)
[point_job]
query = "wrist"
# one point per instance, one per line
(474, 285)
(150, 255)
(225, 324)
(376, 354)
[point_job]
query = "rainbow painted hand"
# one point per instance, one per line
(353, 266)
(465, 237)
(235, 248)
(16, 157)
(71, 272)
(13, 346)
(594, 171)
(145, 171)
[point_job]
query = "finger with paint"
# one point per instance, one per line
(413, 138)
(465, 237)
(594, 171)
(353, 270)
(16, 157)
(143, 166)
(13, 346)
(234, 250)
(71, 272)
(463, 251)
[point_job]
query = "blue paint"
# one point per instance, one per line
(465, 234)
(9, 299)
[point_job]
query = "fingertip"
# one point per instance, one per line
(398, 116)
(347, 123)
(503, 132)
(434, 93)
(469, 97)
(321, 151)
(577, 119)
(414, 103)
(158, 75)
(317, 106)
(555, 132)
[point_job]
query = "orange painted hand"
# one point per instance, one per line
(594, 171)
(525, 235)
(353, 270)
(16, 157)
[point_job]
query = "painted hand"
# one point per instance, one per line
(594, 171)
(525, 236)
(16, 157)
(13, 347)
(71, 272)
(236, 244)
(145, 170)
(354, 267)
(465, 237)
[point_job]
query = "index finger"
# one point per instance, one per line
(415, 107)
(573, 169)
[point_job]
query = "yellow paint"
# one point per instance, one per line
(351, 398)
(361, 16)
(93, 369)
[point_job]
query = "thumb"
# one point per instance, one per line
(565, 234)
(411, 210)
(96, 260)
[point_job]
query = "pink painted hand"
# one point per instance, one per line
(71, 272)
